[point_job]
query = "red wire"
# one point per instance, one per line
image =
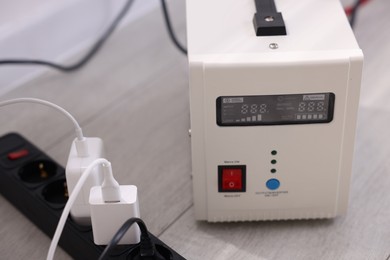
(348, 9)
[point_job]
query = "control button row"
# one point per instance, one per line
(232, 178)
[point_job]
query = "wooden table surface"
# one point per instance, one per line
(117, 97)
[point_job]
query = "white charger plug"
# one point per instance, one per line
(120, 201)
(108, 217)
(82, 154)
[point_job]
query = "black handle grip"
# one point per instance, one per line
(267, 20)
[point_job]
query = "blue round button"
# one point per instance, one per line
(273, 184)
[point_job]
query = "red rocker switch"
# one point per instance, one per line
(231, 178)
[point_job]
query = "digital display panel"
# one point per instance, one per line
(306, 108)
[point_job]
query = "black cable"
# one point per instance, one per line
(355, 8)
(98, 44)
(147, 248)
(95, 48)
(169, 27)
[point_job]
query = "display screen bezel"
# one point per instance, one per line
(330, 110)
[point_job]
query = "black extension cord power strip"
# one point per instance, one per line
(35, 184)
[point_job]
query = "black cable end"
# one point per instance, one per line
(269, 24)
(137, 254)
(148, 251)
(147, 248)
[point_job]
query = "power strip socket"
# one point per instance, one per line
(35, 184)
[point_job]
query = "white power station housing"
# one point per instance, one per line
(273, 118)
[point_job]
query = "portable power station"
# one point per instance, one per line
(274, 92)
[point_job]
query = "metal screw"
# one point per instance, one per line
(274, 46)
(269, 19)
(189, 132)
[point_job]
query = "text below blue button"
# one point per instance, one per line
(273, 184)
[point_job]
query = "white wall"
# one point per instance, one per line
(54, 31)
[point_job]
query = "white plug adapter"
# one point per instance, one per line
(108, 217)
(82, 154)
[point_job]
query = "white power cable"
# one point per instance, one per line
(79, 133)
(109, 182)
(81, 140)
